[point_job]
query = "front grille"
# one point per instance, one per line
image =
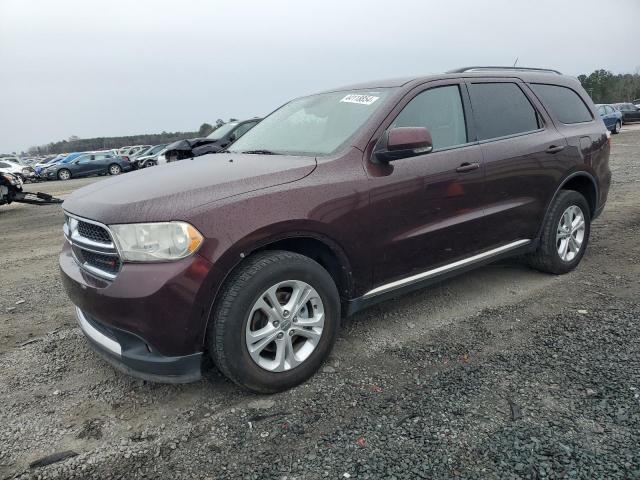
(93, 232)
(107, 263)
(92, 247)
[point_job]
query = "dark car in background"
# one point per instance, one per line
(611, 116)
(87, 164)
(332, 203)
(217, 140)
(630, 113)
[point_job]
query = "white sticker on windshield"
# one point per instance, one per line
(361, 99)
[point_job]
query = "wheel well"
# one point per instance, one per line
(585, 186)
(321, 253)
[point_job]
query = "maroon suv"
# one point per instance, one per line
(333, 202)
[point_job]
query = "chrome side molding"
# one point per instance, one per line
(387, 287)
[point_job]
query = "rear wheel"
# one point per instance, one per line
(565, 234)
(64, 174)
(275, 321)
(617, 127)
(115, 169)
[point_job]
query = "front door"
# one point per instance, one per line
(425, 209)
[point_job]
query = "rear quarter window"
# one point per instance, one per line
(565, 103)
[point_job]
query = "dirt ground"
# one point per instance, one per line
(503, 372)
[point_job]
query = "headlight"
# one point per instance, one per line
(156, 242)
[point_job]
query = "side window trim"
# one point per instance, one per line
(541, 118)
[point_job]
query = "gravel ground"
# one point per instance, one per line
(501, 373)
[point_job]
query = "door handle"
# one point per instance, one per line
(555, 149)
(467, 167)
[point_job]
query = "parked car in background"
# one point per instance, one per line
(131, 150)
(630, 113)
(61, 161)
(23, 172)
(332, 203)
(148, 157)
(39, 167)
(611, 116)
(636, 102)
(217, 140)
(87, 164)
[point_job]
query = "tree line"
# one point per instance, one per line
(605, 87)
(75, 144)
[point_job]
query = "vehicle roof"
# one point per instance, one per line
(529, 76)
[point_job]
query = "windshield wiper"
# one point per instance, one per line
(261, 152)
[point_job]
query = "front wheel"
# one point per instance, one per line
(275, 321)
(115, 169)
(64, 174)
(617, 127)
(565, 234)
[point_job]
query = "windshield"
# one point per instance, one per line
(220, 132)
(315, 125)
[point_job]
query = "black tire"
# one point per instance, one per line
(546, 257)
(115, 169)
(150, 163)
(62, 176)
(226, 332)
(617, 127)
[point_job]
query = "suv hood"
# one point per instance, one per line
(171, 191)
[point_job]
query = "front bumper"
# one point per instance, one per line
(131, 355)
(150, 319)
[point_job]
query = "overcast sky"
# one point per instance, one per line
(100, 68)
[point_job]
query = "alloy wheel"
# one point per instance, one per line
(114, 169)
(570, 233)
(284, 326)
(64, 175)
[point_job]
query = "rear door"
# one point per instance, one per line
(101, 163)
(524, 156)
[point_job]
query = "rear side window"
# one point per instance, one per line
(564, 102)
(501, 109)
(440, 111)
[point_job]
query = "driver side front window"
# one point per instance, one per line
(439, 110)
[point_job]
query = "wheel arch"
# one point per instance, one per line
(317, 246)
(582, 182)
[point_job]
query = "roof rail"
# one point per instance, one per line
(521, 69)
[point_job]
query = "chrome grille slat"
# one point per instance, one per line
(92, 246)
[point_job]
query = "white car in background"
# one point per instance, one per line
(8, 166)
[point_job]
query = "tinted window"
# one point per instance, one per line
(564, 102)
(610, 109)
(440, 111)
(501, 109)
(4, 165)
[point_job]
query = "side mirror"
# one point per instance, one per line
(232, 137)
(404, 142)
